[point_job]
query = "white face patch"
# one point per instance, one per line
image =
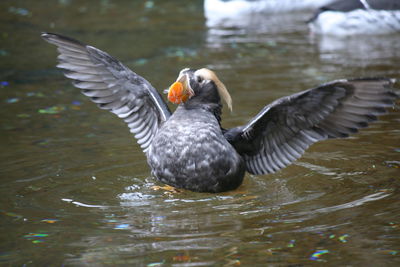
(209, 75)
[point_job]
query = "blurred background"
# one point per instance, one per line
(75, 186)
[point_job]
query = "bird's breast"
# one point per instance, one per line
(192, 151)
(193, 143)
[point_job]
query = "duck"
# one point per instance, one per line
(189, 148)
(356, 17)
(225, 12)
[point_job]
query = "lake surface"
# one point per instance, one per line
(75, 186)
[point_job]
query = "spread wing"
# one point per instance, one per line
(112, 86)
(284, 129)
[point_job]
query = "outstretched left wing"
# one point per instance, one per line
(111, 85)
(284, 129)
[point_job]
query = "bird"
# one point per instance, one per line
(227, 12)
(355, 17)
(247, 6)
(189, 148)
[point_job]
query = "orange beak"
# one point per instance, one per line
(180, 91)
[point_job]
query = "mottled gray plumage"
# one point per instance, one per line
(189, 149)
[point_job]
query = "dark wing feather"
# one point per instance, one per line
(283, 130)
(384, 4)
(112, 86)
(351, 5)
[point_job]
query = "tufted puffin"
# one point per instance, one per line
(189, 148)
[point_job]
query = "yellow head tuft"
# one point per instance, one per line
(223, 92)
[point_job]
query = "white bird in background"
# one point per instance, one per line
(350, 17)
(218, 12)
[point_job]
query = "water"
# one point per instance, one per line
(76, 189)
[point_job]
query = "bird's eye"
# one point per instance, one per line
(199, 79)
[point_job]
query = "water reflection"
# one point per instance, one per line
(358, 50)
(271, 29)
(159, 227)
(256, 27)
(77, 182)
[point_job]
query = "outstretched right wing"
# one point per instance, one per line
(111, 85)
(284, 129)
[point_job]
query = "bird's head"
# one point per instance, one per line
(198, 87)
